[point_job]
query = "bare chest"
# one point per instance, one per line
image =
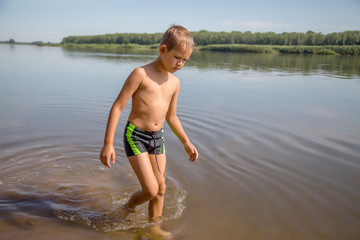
(154, 92)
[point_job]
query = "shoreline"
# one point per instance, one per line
(289, 49)
(235, 48)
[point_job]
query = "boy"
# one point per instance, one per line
(154, 91)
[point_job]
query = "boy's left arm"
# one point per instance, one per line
(176, 127)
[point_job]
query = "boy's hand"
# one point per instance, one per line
(191, 151)
(107, 153)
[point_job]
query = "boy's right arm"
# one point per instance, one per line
(108, 151)
(130, 86)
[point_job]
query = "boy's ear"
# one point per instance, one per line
(163, 49)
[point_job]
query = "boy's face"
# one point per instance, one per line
(174, 59)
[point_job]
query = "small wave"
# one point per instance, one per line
(109, 215)
(98, 208)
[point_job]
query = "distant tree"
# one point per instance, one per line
(332, 39)
(12, 41)
(352, 37)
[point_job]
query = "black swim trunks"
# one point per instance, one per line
(137, 140)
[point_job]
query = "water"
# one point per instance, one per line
(278, 138)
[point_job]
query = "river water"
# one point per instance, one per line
(278, 138)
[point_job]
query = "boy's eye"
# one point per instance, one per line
(179, 58)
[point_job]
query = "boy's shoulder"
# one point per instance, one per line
(148, 71)
(139, 71)
(137, 75)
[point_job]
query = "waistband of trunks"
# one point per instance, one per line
(156, 134)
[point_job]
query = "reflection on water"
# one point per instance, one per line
(342, 66)
(278, 138)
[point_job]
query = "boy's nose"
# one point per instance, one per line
(180, 63)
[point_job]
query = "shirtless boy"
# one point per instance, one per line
(154, 91)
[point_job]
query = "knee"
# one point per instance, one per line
(156, 190)
(151, 192)
(162, 189)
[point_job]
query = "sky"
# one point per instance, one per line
(52, 20)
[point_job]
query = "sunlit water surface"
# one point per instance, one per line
(278, 137)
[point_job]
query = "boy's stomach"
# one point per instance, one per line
(148, 122)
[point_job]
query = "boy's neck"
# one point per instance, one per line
(159, 66)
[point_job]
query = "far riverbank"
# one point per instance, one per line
(241, 48)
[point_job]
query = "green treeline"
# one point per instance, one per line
(116, 38)
(204, 38)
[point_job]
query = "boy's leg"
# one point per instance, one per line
(156, 204)
(143, 169)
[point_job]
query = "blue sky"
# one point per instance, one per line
(51, 20)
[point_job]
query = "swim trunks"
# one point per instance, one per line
(137, 140)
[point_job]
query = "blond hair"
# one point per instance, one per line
(177, 36)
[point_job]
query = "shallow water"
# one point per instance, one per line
(278, 138)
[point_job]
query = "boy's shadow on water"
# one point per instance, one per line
(67, 203)
(95, 208)
(64, 201)
(70, 208)
(12, 204)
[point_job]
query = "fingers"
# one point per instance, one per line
(191, 151)
(105, 158)
(194, 155)
(113, 157)
(105, 161)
